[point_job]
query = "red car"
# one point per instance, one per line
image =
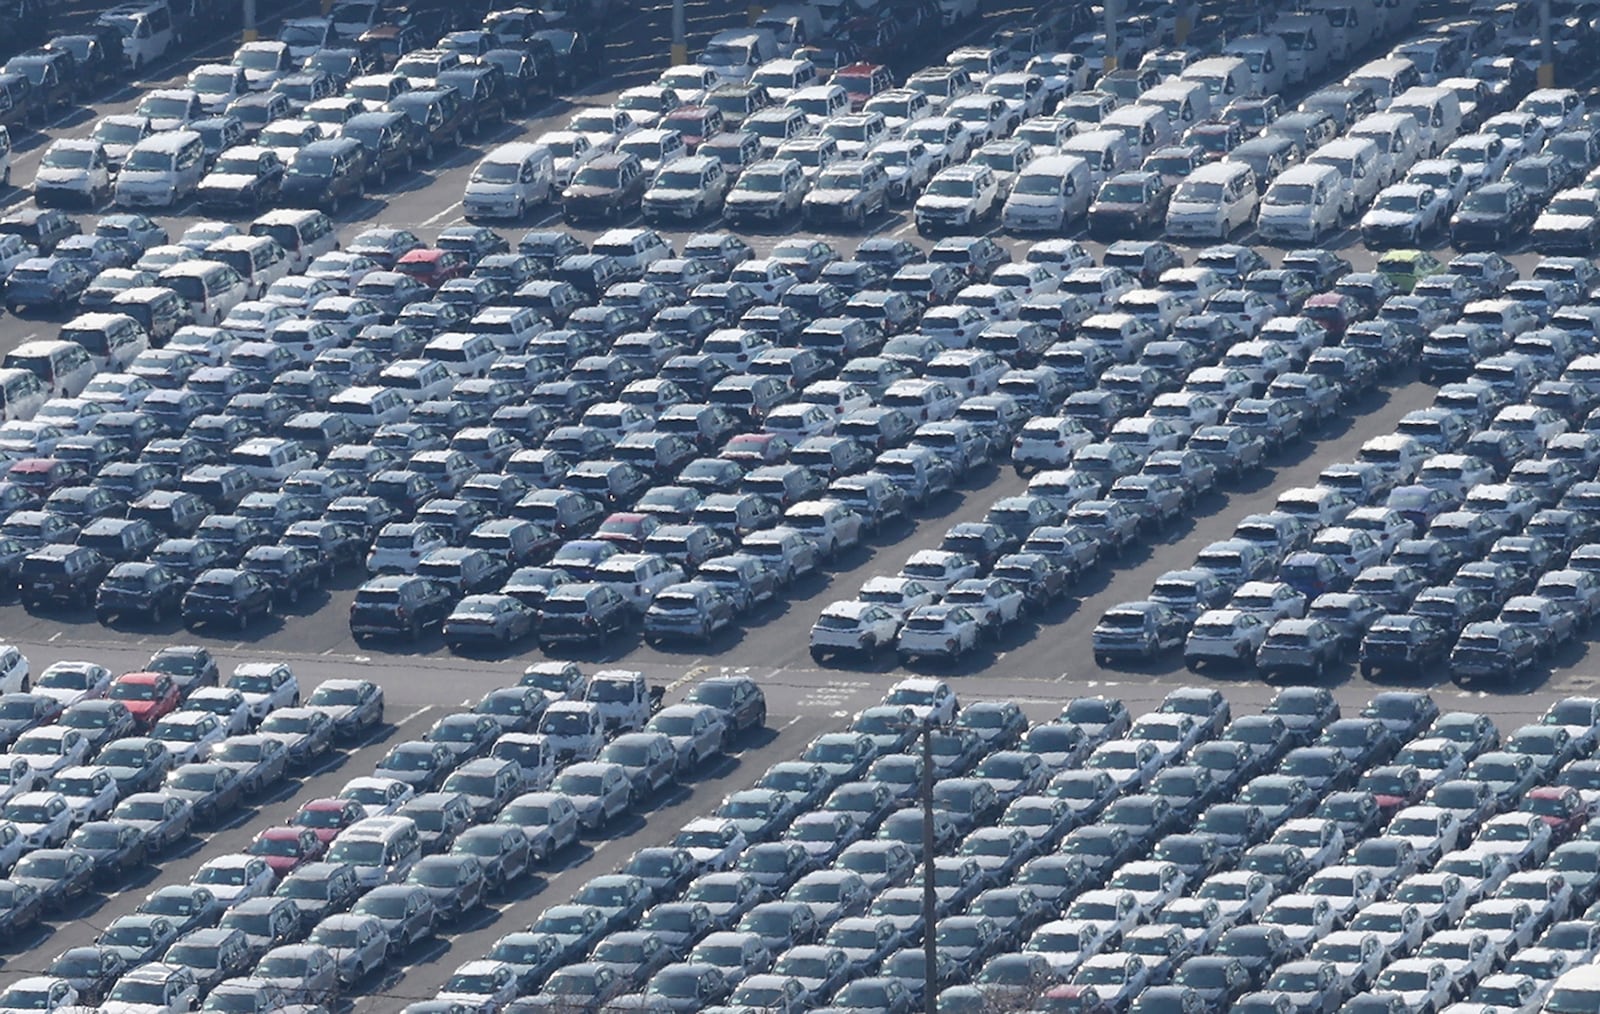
(861, 81)
(1334, 312)
(327, 817)
(287, 848)
(42, 476)
(755, 449)
(149, 695)
(433, 267)
(695, 123)
(628, 529)
(1559, 806)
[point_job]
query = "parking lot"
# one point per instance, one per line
(1040, 662)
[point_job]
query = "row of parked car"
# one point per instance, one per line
(308, 909)
(1462, 535)
(1189, 860)
(309, 120)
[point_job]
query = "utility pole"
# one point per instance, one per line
(930, 897)
(1113, 12)
(1547, 47)
(680, 36)
(249, 33)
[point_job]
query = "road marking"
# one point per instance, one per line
(441, 216)
(56, 635)
(415, 714)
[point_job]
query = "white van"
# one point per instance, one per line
(1105, 152)
(304, 234)
(1357, 160)
(1225, 77)
(381, 849)
(1267, 58)
(1438, 115)
(1354, 23)
(162, 170)
(113, 340)
(1050, 193)
(1309, 38)
(1213, 201)
(147, 32)
(211, 288)
(1387, 78)
(734, 54)
(21, 393)
(1302, 204)
(64, 368)
(1398, 141)
(259, 260)
(1146, 128)
(510, 179)
(1186, 102)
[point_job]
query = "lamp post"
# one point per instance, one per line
(930, 897)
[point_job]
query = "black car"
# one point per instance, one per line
(43, 228)
(116, 847)
(91, 970)
(289, 571)
(21, 904)
(325, 174)
(334, 545)
(244, 178)
(190, 666)
(54, 875)
(62, 575)
(146, 591)
(444, 117)
(1492, 216)
(392, 139)
(1404, 642)
(100, 720)
(212, 789)
(400, 606)
(226, 595)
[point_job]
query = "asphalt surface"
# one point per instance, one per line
(1041, 665)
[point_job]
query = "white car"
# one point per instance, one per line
(377, 797)
(228, 704)
(1403, 214)
(71, 682)
(89, 790)
(52, 748)
(1229, 636)
(43, 818)
(957, 198)
(998, 602)
(829, 523)
(190, 735)
(1240, 895)
(13, 669)
(1424, 984)
(932, 700)
(938, 631)
(853, 627)
(233, 878)
(266, 686)
(1431, 830)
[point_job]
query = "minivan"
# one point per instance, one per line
(1105, 152)
(162, 170)
(1304, 203)
(1358, 162)
(1213, 201)
(1437, 112)
(1398, 140)
(1186, 102)
(209, 287)
(21, 394)
(1267, 58)
(304, 234)
(1388, 78)
(734, 54)
(63, 367)
(1050, 193)
(111, 339)
(512, 178)
(1145, 128)
(259, 260)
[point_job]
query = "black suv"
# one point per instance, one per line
(224, 594)
(288, 570)
(63, 575)
(325, 174)
(147, 591)
(392, 140)
(398, 605)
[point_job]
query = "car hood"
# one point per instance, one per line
(226, 181)
(1387, 218)
(834, 195)
(940, 203)
(1562, 222)
(588, 191)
